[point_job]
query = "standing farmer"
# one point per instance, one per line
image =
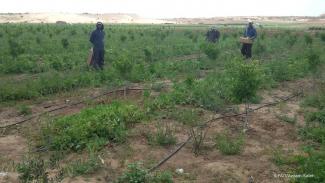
(250, 32)
(97, 39)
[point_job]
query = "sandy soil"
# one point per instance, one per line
(267, 133)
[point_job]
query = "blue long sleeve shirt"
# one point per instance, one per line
(97, 39)
(250, 32)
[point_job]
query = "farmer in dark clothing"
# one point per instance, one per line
(250, 32)
(213, 35)
(97, 39)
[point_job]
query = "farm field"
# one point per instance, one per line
(163, 89)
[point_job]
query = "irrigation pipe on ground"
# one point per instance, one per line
(125, 89)
(206, 124)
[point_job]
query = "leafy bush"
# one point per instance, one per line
(245, 79)
(229, 145)
(92, 127)
(124, 66)
(211, 50)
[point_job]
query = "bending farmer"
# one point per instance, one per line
(213, 35)
(250, 32)
(97, 39)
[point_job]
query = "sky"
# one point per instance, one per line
(171, 8)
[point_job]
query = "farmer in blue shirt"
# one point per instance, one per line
(97, 39)
(250, 32)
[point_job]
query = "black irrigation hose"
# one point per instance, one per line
(170, 155)
(214, 119)
(74, 104)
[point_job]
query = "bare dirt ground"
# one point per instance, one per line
(267, 132)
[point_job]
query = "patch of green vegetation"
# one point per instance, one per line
(285, 118)
(318, 116)
(186, 116)
(24, 110)
(211, 50)
(164, 136)
(245, 79)
(92, 127)
(136, 174)
(83, 166)
(32, 170)
(230, 145)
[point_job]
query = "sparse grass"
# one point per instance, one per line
(32, 170)
(186, 116)
(136, 174)
(230, 145)
(164, 136)
(24, 110)
(83, 166)
(286, 118)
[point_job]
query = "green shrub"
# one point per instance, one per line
(314, 133)
(322, 37)
(291, 40)
(148, 54)
(124, 66)
(15, 48)
(136, 174)
(65, 43)
(165, 135)
(161, 177)
(211, 50)
(32, 170)
(318, 116)
(282, 158)
(259, 47)
(313, 60)
(308, 39)
(123, 38)
(317, 100)
(24, 110)
(312, 164)
(186, 116)
(245, 79)
(229, 145)
(92, 127)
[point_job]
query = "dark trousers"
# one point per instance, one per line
(98, 58)
(246, 50)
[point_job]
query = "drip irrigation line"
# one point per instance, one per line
(170, 155)
(215, 119)
(73, 104)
